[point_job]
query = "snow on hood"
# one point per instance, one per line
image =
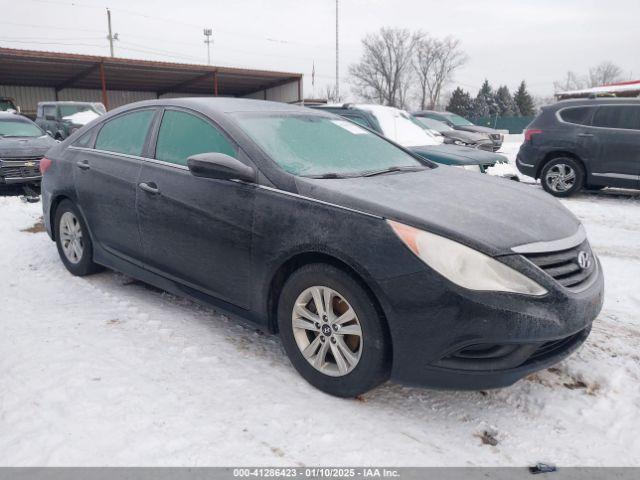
(399, 126)
(81, 118)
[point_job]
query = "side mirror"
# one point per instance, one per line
(220, 166)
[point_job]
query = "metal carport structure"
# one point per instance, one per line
(29, 75)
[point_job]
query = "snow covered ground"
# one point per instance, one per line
(107, 371)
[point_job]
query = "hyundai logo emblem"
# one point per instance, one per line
(584, 259)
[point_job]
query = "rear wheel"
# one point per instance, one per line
(72, 238)
(562, 176)
(332, 331)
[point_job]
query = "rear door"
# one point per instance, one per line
(106, 181)
(616, 134)
(196, 230)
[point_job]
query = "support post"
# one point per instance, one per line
(215, 84)
(103, 82)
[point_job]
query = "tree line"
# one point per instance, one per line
(490, 103)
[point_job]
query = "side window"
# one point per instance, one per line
(126, 133)
(624, 116)
(85, 141)
(183, 134)
(578, 115)
(49, 112)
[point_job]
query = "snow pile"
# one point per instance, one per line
(82, 118)
(103, 370)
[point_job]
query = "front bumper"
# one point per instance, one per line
(451, 338)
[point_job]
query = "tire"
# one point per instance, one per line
(562, 176)
(73, 241)
(372, 347)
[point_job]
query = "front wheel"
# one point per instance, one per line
(562, 177)
(332, 331)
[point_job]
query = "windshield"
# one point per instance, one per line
(401, 127)
(68, 110)
(19, 128)
(315, 145)
(6, 105)
(457, 120)
(434, 124)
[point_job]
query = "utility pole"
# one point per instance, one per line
(207, 34)
(111, 37)
(337, 57)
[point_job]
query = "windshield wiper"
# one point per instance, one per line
(327, 175)
(391, 170)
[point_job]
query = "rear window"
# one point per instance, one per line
(624, 116)
(126, 133)
(577, 115)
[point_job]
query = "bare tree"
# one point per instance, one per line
(382, 75)
(331, 92)
(606, 72)
(572, 81)
(434, 63)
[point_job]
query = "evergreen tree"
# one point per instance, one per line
(524, 101)
(460, 103)
(506, 105)
(485, 103)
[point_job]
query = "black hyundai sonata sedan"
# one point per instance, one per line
(370, 262)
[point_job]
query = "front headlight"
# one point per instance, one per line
(462, 265)
(459, 142)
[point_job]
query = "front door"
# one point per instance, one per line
(195, 230)
(616, 137)
(106, 181)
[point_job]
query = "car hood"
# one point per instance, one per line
(25, 146)
(458, 155)
(477, 129)
(487, 213)
(468, 137)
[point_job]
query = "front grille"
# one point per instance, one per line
(24, 167)
(495, 136)
(564, 265)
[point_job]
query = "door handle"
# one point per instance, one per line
(586, 135)
(83, 164)
(151, 188)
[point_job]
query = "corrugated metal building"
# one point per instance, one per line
(30, 77)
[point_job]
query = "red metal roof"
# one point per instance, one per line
(65, 70)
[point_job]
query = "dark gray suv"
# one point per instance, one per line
(588, 143)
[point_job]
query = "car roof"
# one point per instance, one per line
(581, 102)
(434, 112)
(13, 116)
(219, 105)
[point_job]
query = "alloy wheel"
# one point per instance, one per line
(560, 177)
(327, 331)
(71, 237)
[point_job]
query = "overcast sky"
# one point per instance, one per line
(506, 40)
